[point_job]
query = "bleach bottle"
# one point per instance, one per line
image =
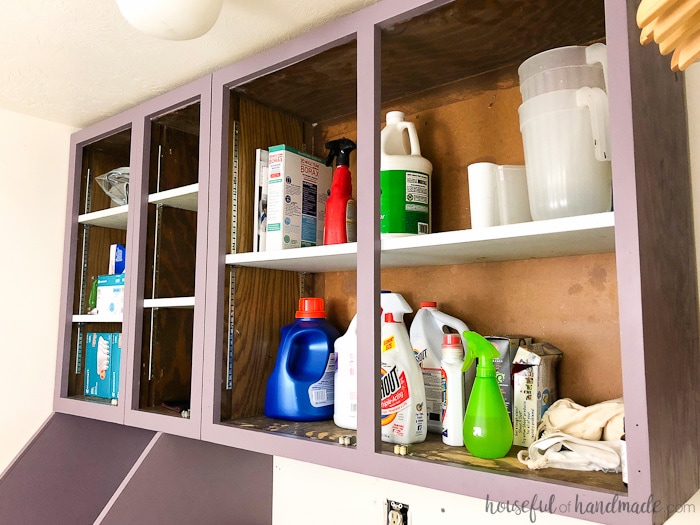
(427, 330)
(300, 387)
(402, 392)
(345, 398)
(404, 179)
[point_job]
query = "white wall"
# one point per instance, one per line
(33, 173)
(33, 185)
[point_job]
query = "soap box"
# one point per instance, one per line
(507, 346)
(534, 388)
(102, 357)
(297, 190)
(110, 294)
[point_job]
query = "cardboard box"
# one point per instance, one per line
(110, 294)
(102, 357)
(507, 346)
(117, 259)
(534, 388)
(297, 190)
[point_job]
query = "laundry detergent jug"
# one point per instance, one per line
(300, 387)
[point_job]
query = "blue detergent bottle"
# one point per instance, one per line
(300, 387)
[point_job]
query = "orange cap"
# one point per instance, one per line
(428, 304)
(311, 307)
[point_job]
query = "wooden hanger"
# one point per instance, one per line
(675, 26)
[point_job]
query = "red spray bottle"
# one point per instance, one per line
(340, 225)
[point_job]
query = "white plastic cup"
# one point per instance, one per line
(513, 202)
(483, 194)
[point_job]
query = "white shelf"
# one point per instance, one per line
(97, 318)
(313, 259)
(585, 234)
(184, 197)
(169, 302)
(109, 218)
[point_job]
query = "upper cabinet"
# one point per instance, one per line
(94, 300)
(205, 303)
(164, 379)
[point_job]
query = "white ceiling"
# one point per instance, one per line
(78, 61)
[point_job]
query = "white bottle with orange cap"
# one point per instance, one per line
(453, 394)
(403, 407)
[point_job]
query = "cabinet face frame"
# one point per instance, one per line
(199, 92)
(79, 141)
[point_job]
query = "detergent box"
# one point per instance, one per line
(507, 346)
(102, 357)
(117, 259)
(297, 189)
(534, 388)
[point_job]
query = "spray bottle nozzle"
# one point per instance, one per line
(478, 347)
(340, 148)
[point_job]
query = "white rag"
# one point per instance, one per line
(575, 437)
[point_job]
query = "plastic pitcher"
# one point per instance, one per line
(569, 67)
(567, 153)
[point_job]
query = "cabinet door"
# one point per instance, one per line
(164, 385)
(92, 355)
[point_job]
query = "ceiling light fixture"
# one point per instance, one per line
(171, 19)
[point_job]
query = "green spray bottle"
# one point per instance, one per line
(488, 431)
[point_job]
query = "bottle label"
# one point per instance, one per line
(388, 344)
(443, 376)
(395, 393)
(321, 392)
(404, 202)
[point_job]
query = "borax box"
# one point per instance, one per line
(298, 187)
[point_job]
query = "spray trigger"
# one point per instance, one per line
(478, 347)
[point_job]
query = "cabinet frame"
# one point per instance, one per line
(197, 91)
(78, 142)
(654, 251)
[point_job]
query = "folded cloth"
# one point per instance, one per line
(593, 423)
(559, 450)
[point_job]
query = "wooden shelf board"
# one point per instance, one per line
(580, 235)
(434, 450)
(316, 430)
(169, 302)
(184, 197)
(85, 318)
(108, 218)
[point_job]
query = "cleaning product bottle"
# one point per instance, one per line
(300, 387)
(488, 432)
(404, 179)
(340, 224)
(402, 391)
(427, 330)
(345, 398)
(453, 400)
(345, 384)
